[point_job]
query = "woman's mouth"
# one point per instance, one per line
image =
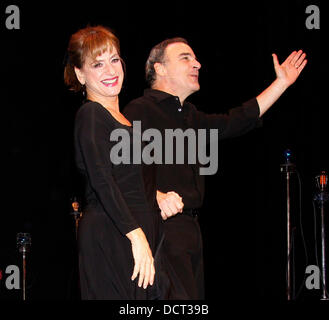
(110, 82)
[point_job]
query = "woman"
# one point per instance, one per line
(120, 231)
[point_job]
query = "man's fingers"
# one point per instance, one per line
(296, 57)
(300, 60)
(177, 201)
(181, 205)
(163, 215)
(166, 208)
(275, 60)
(290, 57)
(175, 194)
(301, 67)
(172, 205)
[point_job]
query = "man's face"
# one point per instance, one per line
(181, 69)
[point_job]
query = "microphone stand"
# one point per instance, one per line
(321, 197)
(23, 241)
(76, 214)
(288, 168)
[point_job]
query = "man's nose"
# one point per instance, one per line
(196, 64)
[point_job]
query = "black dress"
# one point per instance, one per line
(118, 200)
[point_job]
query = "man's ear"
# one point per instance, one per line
(80, 76)
(160, 69)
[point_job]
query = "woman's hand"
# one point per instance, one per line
(143, 258)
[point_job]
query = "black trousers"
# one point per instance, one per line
(184, 253)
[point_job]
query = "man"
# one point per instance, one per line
(172, 71)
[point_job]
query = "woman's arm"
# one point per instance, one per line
(144, 262)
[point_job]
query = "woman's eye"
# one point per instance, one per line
(115, 60)
(97, 65)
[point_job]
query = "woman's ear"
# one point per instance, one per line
(80, 76)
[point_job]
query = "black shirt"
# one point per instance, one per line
(160, 110)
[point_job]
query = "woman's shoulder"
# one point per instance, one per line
(90, 108)
(93, 112)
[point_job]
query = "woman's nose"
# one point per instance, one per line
(109, 69)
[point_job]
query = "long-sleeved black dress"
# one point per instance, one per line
(118, 200)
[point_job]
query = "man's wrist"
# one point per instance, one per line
(280, 84)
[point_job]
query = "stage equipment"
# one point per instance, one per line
(320, 198)
(77, 214)
(23, 241)
(288, 168)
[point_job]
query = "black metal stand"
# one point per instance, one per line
(23, 241)
(74, 291)
(288, 168)
(321, 197)
(76, 214)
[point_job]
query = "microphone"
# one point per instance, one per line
(321, 181)
(75, 204)
(287, 155)
(288, 166)
(321, 197)
(77, 214)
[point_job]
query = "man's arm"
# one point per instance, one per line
(286, 74)
(170, 203)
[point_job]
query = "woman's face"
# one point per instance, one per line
(103, 76)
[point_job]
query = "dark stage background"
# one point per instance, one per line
(243, 219)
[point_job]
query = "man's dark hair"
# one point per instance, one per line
(157, 55)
